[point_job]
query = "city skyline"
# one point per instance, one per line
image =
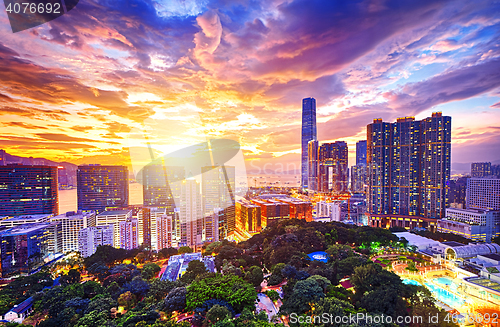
(83, 93)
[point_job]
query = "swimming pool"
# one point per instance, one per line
(445, 296)
(444, 281)
(409, 281)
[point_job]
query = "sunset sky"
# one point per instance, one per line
(110, 74)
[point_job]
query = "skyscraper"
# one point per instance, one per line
(157, 188)
(71, 223)
(409, 169)
(313, 165)
(190, 211)
(308, 134)
(28, 190)
(129, 234)
(361, 153)
(101, 187)
(483, 193)
(333, 173)
(217, 187)
(480, 169)
(91, 237)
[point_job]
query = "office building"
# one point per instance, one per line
(474, 224)
(101, 187)
(71, 223)
(161, 185)
(248, 216)
(129, 234)
(23, 248)
(212, 225)
(190, 211)
(308, 134)
(333, 171)
(147, 219)
(271, 210)
(28, 190)
(92, 237)
(113, 217)
(409, 170)
(313, 152)
(480, 169)
(217, 187)
(361, 153)
(9, 221)
(358, 178)
(55, 238)
(483, 193)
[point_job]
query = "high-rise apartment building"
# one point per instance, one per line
(100, 187)
(409, 169)
(333, 171)
(26, 190)
(71, 223)
(113, 217)
(457, 193)
(313, 152)
(480, 169)
(308, 134)
(91, 237)
(190, 211)
(483, 193)
(129, 234)
(330, 210)
(165, 232)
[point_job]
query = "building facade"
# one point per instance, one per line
(91, 237)
(483, 193)
(333, 172)
(409, 168)
(26, 190)
(23, 248)
(71, 223)
(480, 169)
(474, 224)
(218, 187)
(190, 211)
(308, 134)
(101, 187)
(129, 234)
(113, 217)
(313, 152)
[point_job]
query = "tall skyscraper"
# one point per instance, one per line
(361, 153)
(28, 190)
(409, 169)
(190, 211)
(308, 134)
(217, 187)
(313, 152)
(333, 172)
(480, 169)
(100, 187)
(159, 186)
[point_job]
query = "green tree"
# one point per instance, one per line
(150, 270)
(273, 295)
(185, 249)
(195, 268)
(255, 276)
(127, 300)
(73, 276)
(176, 299)
(232, 289)
(304, 293)
(217, 313)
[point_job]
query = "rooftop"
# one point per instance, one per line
(23, 229)
(25, 217)
(492, 256)
(114, 212)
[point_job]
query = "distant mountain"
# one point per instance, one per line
(67, 174)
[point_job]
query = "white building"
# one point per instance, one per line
(129, 238)
(330, 210)
(71, 223)
(474, 224)
(91, 237)
(113, 217)
(483, 193)
(11, 221)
